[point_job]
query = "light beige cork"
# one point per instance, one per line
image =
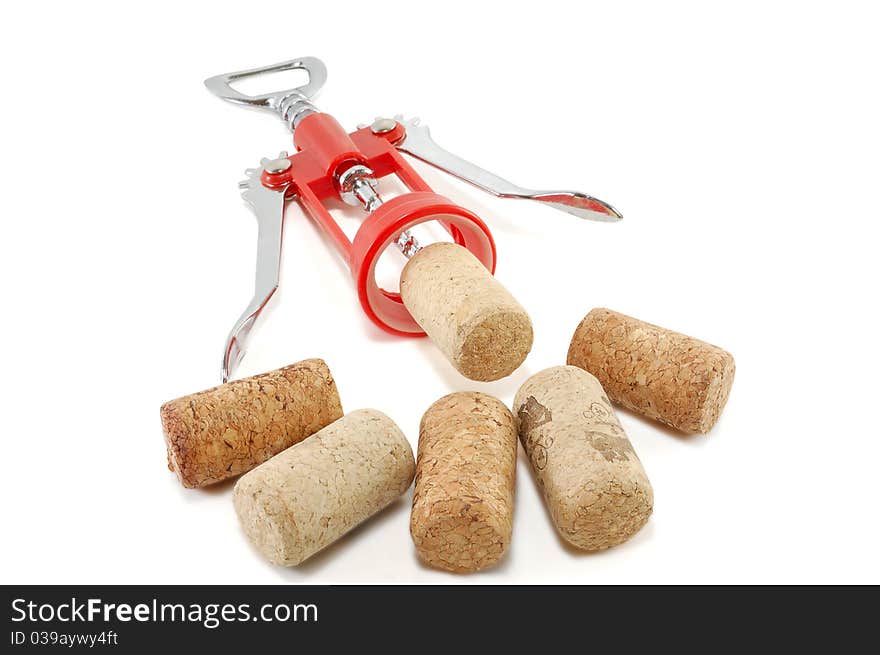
(462, 513)
(310, 495)
(475, 322)
(593, 482)
(228, 430)
(667, 376)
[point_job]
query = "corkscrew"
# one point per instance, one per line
(329, 164)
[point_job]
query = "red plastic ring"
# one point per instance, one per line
(381, 229)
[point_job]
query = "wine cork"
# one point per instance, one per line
(462, 512)
(593, 482)
(667, 376)
(228, 430)
(314, 492)
(480, 328)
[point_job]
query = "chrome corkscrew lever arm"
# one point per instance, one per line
(268, 206)
(419, 144)
(292, 106)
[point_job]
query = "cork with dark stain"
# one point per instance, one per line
(228, 430)
(474, 321)
(462, 512)
(594, 485)
(664, 375)
(308, 496)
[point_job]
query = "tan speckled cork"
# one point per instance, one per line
(476, 323)
(462, 513)
(593, 482)
(228, 430)
(310, 495)
(667, 376)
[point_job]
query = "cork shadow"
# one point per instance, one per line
(219, 488)
(692, 439)
(373, 332)
(323, 557)
(504, 388)
(201, 494)
(645, 531)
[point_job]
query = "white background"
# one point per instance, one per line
(741, 144)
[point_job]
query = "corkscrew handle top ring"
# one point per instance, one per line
(287, 103)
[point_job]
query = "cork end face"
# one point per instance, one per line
(603, 516)
(495, 346)
(266, 521)
(175, 431)
(459, 537)
(474, 321)
(584, 339)
(717, 392)
(398, 453)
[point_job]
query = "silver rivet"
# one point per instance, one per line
(383, 125)
(276, 165)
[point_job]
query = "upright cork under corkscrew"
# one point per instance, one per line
(448, 292)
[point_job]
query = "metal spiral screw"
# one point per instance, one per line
(358, 187)
(295, 107)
